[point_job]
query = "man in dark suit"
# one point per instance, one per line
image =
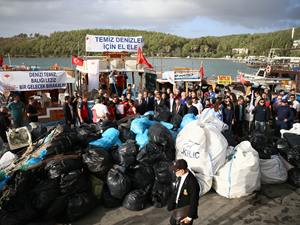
(68, 111)
(149, 101)
(191, 109)
(141, 106)
(171, 102)
(158, 102)
(186, 192)
(178, 109)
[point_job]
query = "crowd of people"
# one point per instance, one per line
(237, 112)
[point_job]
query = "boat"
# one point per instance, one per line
(43, 85)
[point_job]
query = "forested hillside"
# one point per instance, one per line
(65, 43)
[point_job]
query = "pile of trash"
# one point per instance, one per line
(127, 163)
(107, 163)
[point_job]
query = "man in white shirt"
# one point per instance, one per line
(171, 101)
(197, 104)
(101, 109)
(296, 104)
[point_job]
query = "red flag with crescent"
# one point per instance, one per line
(1, 61)
(241, 78)
(141, 59)
(77, 61)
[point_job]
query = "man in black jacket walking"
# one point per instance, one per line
(186, 192)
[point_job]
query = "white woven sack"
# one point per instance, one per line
(204, 148)
(7, 159)
(273, 171)
(206, 117)
(240, 176)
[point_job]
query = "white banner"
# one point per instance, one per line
(170, 76)
(93, 70)
(182, 75)
(98, 43)
(32, 80)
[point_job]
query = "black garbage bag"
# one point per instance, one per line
(126, 153)
(140, 176)
(18, 211)
(82, 135)
(231, 138)
(293, 140)
(162, 172)
(44, 194)
(5, 148)
(103, 125)
(119, 183)
(79, 205)
(160, 135)
(89, 128)
(282, 147)
(294, 177)
(38, 132)
(62, 143)
(73, 182)
(20, 182)
(125, 134)
(59, 166)
(159, 194)
(169, 151)
(293, 157)
(56, 208)
(41, 222)
(272, 140)
(149, 154)
(162, 114)
(98, 161)
(126, 121)
(149, 116)
(85, 137)
(108, 201)
(176, 121)
(137, 199)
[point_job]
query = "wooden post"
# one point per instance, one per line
(158, 87)
(214, 87)
(248, 89)
(186, 87)
(193, 86)
(86, 85)
(132, 78)
(141, 78)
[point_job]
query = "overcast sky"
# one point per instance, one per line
(185, 18)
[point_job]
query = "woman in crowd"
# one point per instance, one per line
(217, 111)
(132, 109)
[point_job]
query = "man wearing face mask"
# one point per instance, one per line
(186, 192)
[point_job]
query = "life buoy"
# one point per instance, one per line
(268, 69)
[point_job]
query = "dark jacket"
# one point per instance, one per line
(231, 115)
(141, 108)
(189, 195)
(67, 113)
(181, 110)
(284, 112)
(262, 113)
(161, 103)
(168, 103)
(4, 123)
(237, 112)
(150, 105)
(193, 110)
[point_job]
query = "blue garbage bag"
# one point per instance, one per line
(149, 112)
(167, 125)
(142, 139)
(187, 118)
(3, 181)
(119, 142)
(139, 125)
(109, 139)
(33, 161)
(42, 153)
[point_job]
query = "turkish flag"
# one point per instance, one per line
(241, 78)
(141, 59)
(77, 61)
(201, 70)
(1, 61)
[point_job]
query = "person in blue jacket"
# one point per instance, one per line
(283, 114)
(217, 110)
(211, 93)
